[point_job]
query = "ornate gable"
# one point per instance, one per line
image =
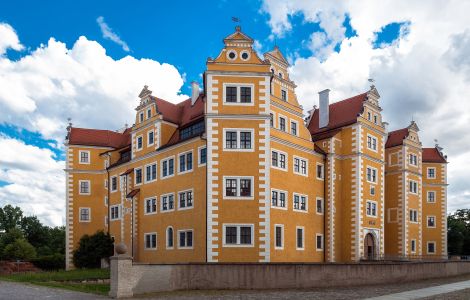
(145, 97)
(277, 55)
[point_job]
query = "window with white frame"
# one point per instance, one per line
(278, 236)
(293, 127)
(278, 160)
(167, 167)
(139, 143)
(84, 187)
(238, 139)
(238, 235)
(431, 247)
(238, 187)
(413, 246)
(149, 113)
(319, 209)
(413, 159)
(282, 124)
(185, 199)
(431, 196)
(141, 117)
(150, 205)
(185, 239)
(150, 241)
(279, 199)
(167, 202)
(413, 215)
(431, 221)
(371, 142)
(431, 173)
(202, 156)
(283, 95)
(150, 138)
(320, 171)
(106, 183)
(371, 174)
(413, 186)
(115, 212)
(84, 157)
(138, 176)
(185, 162)
(375, 119)
(113, 183)
(238, 94)
(106, 200)
(151, 172)
(371, 208)
(271, 120)
(372, 190)
(169, 238)
(85, 214)
(299, 240)
(300, 166)
(319, 241)
(300, 202)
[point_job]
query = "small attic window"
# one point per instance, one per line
(141, 117)
(280, 75)
(232, 55)
(245, 55)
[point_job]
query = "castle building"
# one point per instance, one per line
(236, 174)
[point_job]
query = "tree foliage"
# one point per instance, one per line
(20, 249)
(458, 232)
(92, 248)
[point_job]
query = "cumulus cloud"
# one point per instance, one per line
(9, 39)
(35, 180)
(423, 74)
(109, 34)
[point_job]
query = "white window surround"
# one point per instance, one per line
(186, 195)
(118, 210)
(427, 221)
(156, 205)
(413, 241)
(286, 119)
(111, 184)
(238, 245)
(322, 171)
(232, 51)
(80, 215)
(286, 193)
(145, 173)
(161, 167)
(199, 164)
(137, 142)
(372, 143)
(141, 176)
(411, 185)
(428, 198)
(148, 138)
(161, 202)
(297, 127)
(238, 131)
(278, 159)
(149, 113)
(238, 86)
(287, 94)
(106, 201)
(87, 162)
(303, 238)
(106, 184)
(322, 246)
(300, 201)
(372, 204)
(141, 117)
(247, 52)
(427, 172)
(80, 187)
(413, 159)
(145, 241)
(417, 216)
(173, 236)
(282, 236)
(373, 170)
(300, 165)
(192, 238)
(186, 161)
(322, 206)
(238, 197)
(427, 247)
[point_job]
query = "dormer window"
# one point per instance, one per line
(141, 117)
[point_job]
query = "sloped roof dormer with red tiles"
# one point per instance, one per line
(433, 155)
(99, 138)
(342, 113)
(395, 138)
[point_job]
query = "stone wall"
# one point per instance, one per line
(129, 279)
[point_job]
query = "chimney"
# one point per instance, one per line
(324, 108)
(195, 92)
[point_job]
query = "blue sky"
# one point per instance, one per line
(416, 55)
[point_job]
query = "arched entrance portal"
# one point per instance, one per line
(369, 246)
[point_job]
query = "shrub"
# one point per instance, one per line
(91, 249)
(19, 249)
(50, 262)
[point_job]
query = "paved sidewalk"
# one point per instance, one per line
(426, 292)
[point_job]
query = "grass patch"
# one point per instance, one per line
(70, 280)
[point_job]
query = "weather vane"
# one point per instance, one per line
(236, 20)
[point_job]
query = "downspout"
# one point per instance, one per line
(109, 196)
(324, 206)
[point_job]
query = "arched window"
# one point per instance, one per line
(169, 237)
(280, 74)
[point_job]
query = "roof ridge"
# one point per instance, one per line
(365, 93)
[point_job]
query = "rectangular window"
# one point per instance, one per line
(371, 208)
(150, 241)
(106, 200)
(372, 143)
(413, 159)
(167, 167)
(375, 119)
(319, 206)
(413, 246)
(238, 139)
(141, 117)
(284, 95)
(245, 94)
(319, 242)
(138, 176)
(300, 166)
(150, 138)
(431, 173)
(139, 142)
(192, 130)
(278, 160)
(150, 205)
(149, 113)
(238, 94)
(185, 239)
(413, 215)
(113, 183)
(299, 238)
(271, 120)
(231, 140)
(84, 187)
(231, 94)
(413, 187)
(115, 212)
(431, 196)
(293, 128)
(278, 199)
(185, 199)
(279, 236)
(282, 124)
(238, 235)
(151, 172)
(202, 156)
(85, 214)
(84, 157)
(185, 162)
(167, 202)
(239, 187)
(431, 221)
(245, 140)
(300, 202)
(320, 172)
(431, 247)
(371, 175)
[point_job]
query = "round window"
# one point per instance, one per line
(245, 55)
(232, 55)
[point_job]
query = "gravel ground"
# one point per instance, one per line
(15, 290)
(459, 295)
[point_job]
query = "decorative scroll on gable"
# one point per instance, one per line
(145, 97)
(373, 96)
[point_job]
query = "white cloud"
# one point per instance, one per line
(424, 74)
(109, 34)
(37, 181)
(9, 39)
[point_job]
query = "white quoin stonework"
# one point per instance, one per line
(324, 108)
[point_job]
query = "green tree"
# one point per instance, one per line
(458, 232)
(36, 233)
(10, 217)
(91, 249)
(19, 249)
(8, 238)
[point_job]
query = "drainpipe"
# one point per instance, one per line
(324, 207)
(109, 195)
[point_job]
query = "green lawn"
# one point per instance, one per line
(70, 280)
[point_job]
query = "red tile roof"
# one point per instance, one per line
(132, 193)
(181, 113)
(341, 114)
(100, 138)
(396, 137)
(432, 155)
